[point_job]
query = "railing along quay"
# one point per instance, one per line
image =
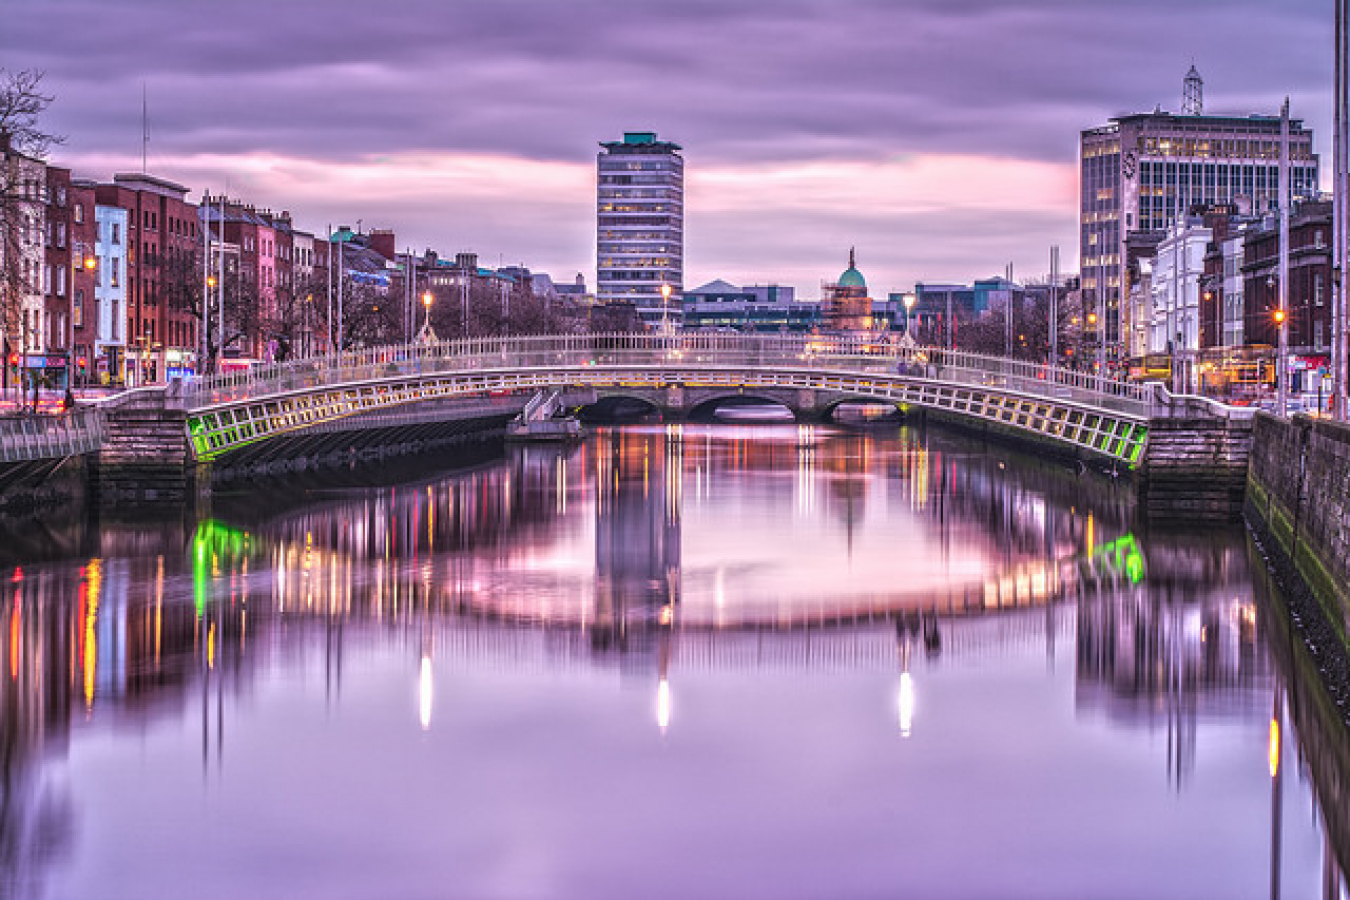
(26, 437)
(846, 354)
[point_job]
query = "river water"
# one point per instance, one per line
(698, 661)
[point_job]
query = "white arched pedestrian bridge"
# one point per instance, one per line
(808, 373)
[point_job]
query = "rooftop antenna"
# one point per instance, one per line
(1193, 93)
(145, 128)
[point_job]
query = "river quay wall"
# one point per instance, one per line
(1298, 506)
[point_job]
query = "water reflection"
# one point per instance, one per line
(669, 555)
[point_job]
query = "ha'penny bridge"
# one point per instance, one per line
(1188, 453)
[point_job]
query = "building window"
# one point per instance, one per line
(115, 272)
(116, 233)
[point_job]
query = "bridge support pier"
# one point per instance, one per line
(144, 456)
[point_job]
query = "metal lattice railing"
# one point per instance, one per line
(25, 438)
(846, 354)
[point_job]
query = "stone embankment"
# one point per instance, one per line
(144, 456)
(1195, 464)
(1298, 506)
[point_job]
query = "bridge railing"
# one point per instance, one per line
(844, 353)
(25, 438)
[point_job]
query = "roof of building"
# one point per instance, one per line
(140, 181)
(716, 286)
(851, 276)
(640, 142)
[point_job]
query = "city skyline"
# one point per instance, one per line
(940, 139)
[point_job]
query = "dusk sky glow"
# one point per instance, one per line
(939, 137)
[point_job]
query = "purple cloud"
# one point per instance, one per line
(749, 87)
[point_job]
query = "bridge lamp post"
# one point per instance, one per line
(1092, 323)
(426, 335)
(910, 300)
(206, 335)
(665, 308)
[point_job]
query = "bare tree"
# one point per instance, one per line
(23, 147)
(372, 315)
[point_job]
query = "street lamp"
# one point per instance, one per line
(665, 308)
(426, 335)
(1280, 316)
(910, 300)
(88, 262)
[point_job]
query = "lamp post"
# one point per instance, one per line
(87, 262)
(910, 300)
(665, 308)
(1280, 317)
(1092, 323)
(426, 335)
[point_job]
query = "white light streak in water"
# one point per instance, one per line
(663, 705)
(424, 694)
(906, 703)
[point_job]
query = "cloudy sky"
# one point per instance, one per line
(939, 137)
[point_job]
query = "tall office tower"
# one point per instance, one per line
(1138, 171)
(640, 226)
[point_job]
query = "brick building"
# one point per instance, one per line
(1310, 274)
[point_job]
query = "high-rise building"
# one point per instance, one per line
(640, 226)
(1138, 171)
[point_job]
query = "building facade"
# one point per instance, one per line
(1310, 281)
(163, 276)
(23, 190)
(1178, 273)
(110, 294)
(1139, 171)
(721, 306)
(640, 226)
(84, 273)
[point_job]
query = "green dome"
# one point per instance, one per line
(852, 277)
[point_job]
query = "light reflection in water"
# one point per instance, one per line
(424, 694)
(906, 703)
(794, 549)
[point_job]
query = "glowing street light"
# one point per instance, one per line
(426, 335)
(665, 308)
(1280, 316)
